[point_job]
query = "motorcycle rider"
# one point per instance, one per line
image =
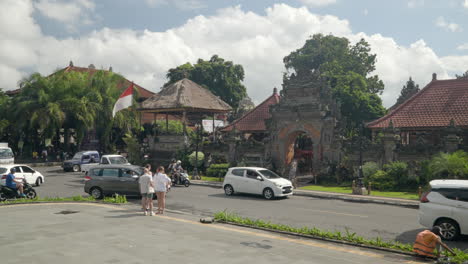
(13, 183)
(178, 171)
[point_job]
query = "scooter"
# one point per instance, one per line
(183, 179)
(8, 193)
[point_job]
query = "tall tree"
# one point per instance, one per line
(463, 76)
(222, 78)
(408, 90)
(347, 68)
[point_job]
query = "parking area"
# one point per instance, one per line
(97, 233)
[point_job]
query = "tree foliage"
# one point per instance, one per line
(463, 76)
(347, 68)
(222, 78)
(408, 90)
(449, 166)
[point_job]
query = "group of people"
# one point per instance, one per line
(150, 184)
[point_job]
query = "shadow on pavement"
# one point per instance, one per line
(246, 197)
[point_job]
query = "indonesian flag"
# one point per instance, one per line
(124, 101)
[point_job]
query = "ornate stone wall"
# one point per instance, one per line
(306, 107)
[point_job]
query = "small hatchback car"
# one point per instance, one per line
(256, 180)
(446, 205)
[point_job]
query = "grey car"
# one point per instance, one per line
(105, 180)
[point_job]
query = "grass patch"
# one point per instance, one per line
(336, 235)
(116, 199)
(211, 179)
(348, 190)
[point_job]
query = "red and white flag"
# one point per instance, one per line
(124, 101)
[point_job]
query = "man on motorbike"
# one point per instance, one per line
(14, 184)
(178, 171)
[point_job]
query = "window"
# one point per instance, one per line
(96, 172)
(447, 193)
(105, 161)
(238, 172)
(117, 160)
(27, 169)
(128, 173)
(269, 174)
(463, 195)
(6, 153)
(17, 169)
(110, 172)
(85, 157)
(252, 174)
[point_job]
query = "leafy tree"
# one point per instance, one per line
(196, 162)
(449, 166)
(347, 68)
(222, 78)
(407, 91)
(463, 76)
(5, 105)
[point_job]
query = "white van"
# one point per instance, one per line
(6, 154)
(446, 205)
(256, 180)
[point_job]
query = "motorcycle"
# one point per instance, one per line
(180, 178)
(8, 193)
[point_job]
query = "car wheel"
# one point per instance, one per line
(228, 190)
(449, 229)
(186, 183)
(96, 193)
(76, 168)
(268, 194)
(31, 194)
(38, 182)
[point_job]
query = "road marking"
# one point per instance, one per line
(226, 228)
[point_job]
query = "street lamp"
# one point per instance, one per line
(195, 170)
(360, 173)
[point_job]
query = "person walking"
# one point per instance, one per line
(143, 199)
(161, 183)
(427, 241)
(292, 173)
(147, 191)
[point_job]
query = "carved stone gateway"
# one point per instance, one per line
(308, 110)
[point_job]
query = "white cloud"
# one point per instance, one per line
(463, 46)
(180, 4)
(71, 13)
(442, 23)
(145, 57)
(415, 3)
(315, 3)
(365, 12)
(465, 4)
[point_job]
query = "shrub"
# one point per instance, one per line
(193, 161)
(382, 181)
(445, 165)
(217, 170)
(398, 171)
(369, 169)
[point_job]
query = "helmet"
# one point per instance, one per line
(179, 162)
(12, 170)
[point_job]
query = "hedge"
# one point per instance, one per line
(217, 170)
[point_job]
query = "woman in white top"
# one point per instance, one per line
(147, 191)
(161, 184)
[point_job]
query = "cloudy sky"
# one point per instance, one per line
(142, 39)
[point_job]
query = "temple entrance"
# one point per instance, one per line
(300, 147)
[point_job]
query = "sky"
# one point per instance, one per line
(143, 39)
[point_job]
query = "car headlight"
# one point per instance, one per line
(278, 185)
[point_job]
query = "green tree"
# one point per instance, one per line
(463, 76)
(407, 91)
(347, 68)
(5, 105)
(449, 165)
(222, 78)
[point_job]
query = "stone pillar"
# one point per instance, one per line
(452, 140)
(389, 140)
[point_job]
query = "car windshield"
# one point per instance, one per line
(6, 153)
(118, 160)
(78, 155)
(269, 174)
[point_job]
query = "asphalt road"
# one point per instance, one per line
(365, 219)
(97, 233)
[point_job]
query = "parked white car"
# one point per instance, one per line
(256, 180)
(446, 205)
(112, 159)
(32, 176)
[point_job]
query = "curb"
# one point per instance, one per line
(325, 195)
(390, 250)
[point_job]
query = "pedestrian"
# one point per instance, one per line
(161, 185)
(292, 173)
(44, 154)
(147, 191)
(427, 241)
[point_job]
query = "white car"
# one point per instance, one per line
(446, 205)
(32, 176)
(256, 180)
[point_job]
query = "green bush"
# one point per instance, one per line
(382, 181)
(193, 161)
(398, 171)
(217, 170)
(449, 166)
(369, 169)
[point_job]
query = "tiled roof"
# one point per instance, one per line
(434, 106)
(254, 120)
(122, 86)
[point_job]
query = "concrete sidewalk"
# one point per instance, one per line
(339, 196)
(97, 233)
